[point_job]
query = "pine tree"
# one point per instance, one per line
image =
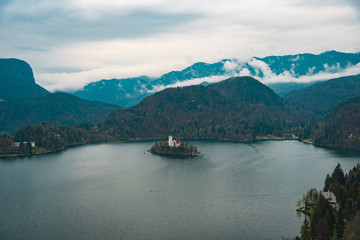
(338, 175)
(28, 147)
(22, 147)
(305, 230)
(340, 224)
(327, 183)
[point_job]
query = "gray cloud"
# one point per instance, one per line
(34, 49)
(355, 3)
(53, 70)
(72, 42)
(3, 3)
(52, 24)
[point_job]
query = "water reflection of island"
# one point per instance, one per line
(174, 147)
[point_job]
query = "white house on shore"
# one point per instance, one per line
(174, 142)
(17, 144)
(330, 196)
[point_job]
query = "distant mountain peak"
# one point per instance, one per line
(17, 80)
(17, 68)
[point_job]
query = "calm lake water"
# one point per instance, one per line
(120, 191)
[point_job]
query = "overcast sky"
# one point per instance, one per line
(70, 43)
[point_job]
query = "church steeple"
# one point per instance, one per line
(171, 142)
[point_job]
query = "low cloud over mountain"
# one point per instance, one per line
(300, 68)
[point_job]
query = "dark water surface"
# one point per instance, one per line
(120, 191)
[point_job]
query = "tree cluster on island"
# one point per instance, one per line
(181, 149)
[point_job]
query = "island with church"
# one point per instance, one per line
(174, 147)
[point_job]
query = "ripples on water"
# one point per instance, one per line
(120, 191)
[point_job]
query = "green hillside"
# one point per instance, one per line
(341, 129)
(57, 108)
(237, 109)
(321, 98)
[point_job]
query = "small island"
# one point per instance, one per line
(174, 147)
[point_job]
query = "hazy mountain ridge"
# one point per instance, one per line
(302, 68)
(303, 64)
(197, 70)
(123, 92)
(17, 80)
(285, 88)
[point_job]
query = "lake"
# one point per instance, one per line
(121, 191)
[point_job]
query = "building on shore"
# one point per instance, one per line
(17, 144)
(330, 196)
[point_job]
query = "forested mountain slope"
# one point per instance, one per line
(237, 109)
(56, 108)
(321, 98)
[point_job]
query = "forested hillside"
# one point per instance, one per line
(321, 98)
(56, 108)
(340, 221)
(238, 109)
(341, 129)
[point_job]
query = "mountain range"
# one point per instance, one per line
(292, 71)
(236, 109)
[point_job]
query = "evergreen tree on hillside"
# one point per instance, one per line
(328, 222)
(338, 175)
(340, 224)
(305, 230)
(28, 147)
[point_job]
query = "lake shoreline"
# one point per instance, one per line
(142, 140)
(257, 139)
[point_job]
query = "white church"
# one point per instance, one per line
(174, 142)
